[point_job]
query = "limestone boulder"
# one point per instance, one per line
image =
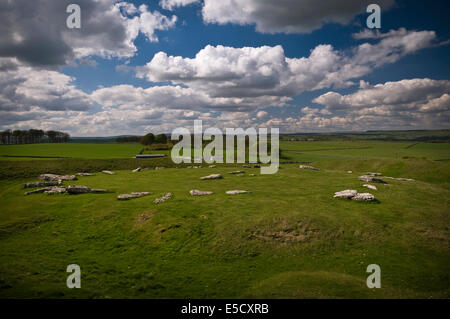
(364, 197)
(348, 193)
(163, 198)
(36, 191)
(236, 191)
(196, 192)
(56, 190)
(41, 184)
(78, 189)
(54, 177)
(98, 190)
(374, 174)
(403, 179)
(212, 176)
(369, 178)
(132, 195)
(309, 167)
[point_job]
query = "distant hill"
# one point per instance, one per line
(437, 136)
(106, 139)
(100, 139)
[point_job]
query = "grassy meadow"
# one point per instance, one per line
(287, 238)
(69, 150)
(361, 150)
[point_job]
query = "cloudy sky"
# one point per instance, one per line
(153, 65)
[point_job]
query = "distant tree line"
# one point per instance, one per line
(33, 136)
(128, 139)
(150, 139)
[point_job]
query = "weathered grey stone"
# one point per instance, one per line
(84, 174)
(236, 191)
(98, 190)
(137, 170)
(108, 172)
(308, 167)
(40, 190)
(212, 166)
(54, 177)
(41, 184)
(49, 177)
(125, 196)
(56, 190)
(132, 195)
(366, 197)
(67, 178)
(212, 176)
(374, 174)
(348, 193)
(367, 178)
(163, 199)
(400, 179)
(237, 172)
(78, 189)
(370, 186)
(196, 192)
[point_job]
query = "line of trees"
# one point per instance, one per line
(33, 136)
(128, 139)
(150, 139)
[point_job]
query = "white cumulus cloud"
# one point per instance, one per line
(35, 31)
(172, 4)
(287, 16)
(265, 71)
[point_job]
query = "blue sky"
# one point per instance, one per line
(100, 81)
(189, 38)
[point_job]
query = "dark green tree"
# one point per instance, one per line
(161, 139)
(148, 139)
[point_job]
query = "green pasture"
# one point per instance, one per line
(301, 151)
(349, 150)
(287, 238)
(73, 150)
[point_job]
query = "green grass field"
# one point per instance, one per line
(287, 238)
(73, 150)
(349, 150)
(314, 151)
